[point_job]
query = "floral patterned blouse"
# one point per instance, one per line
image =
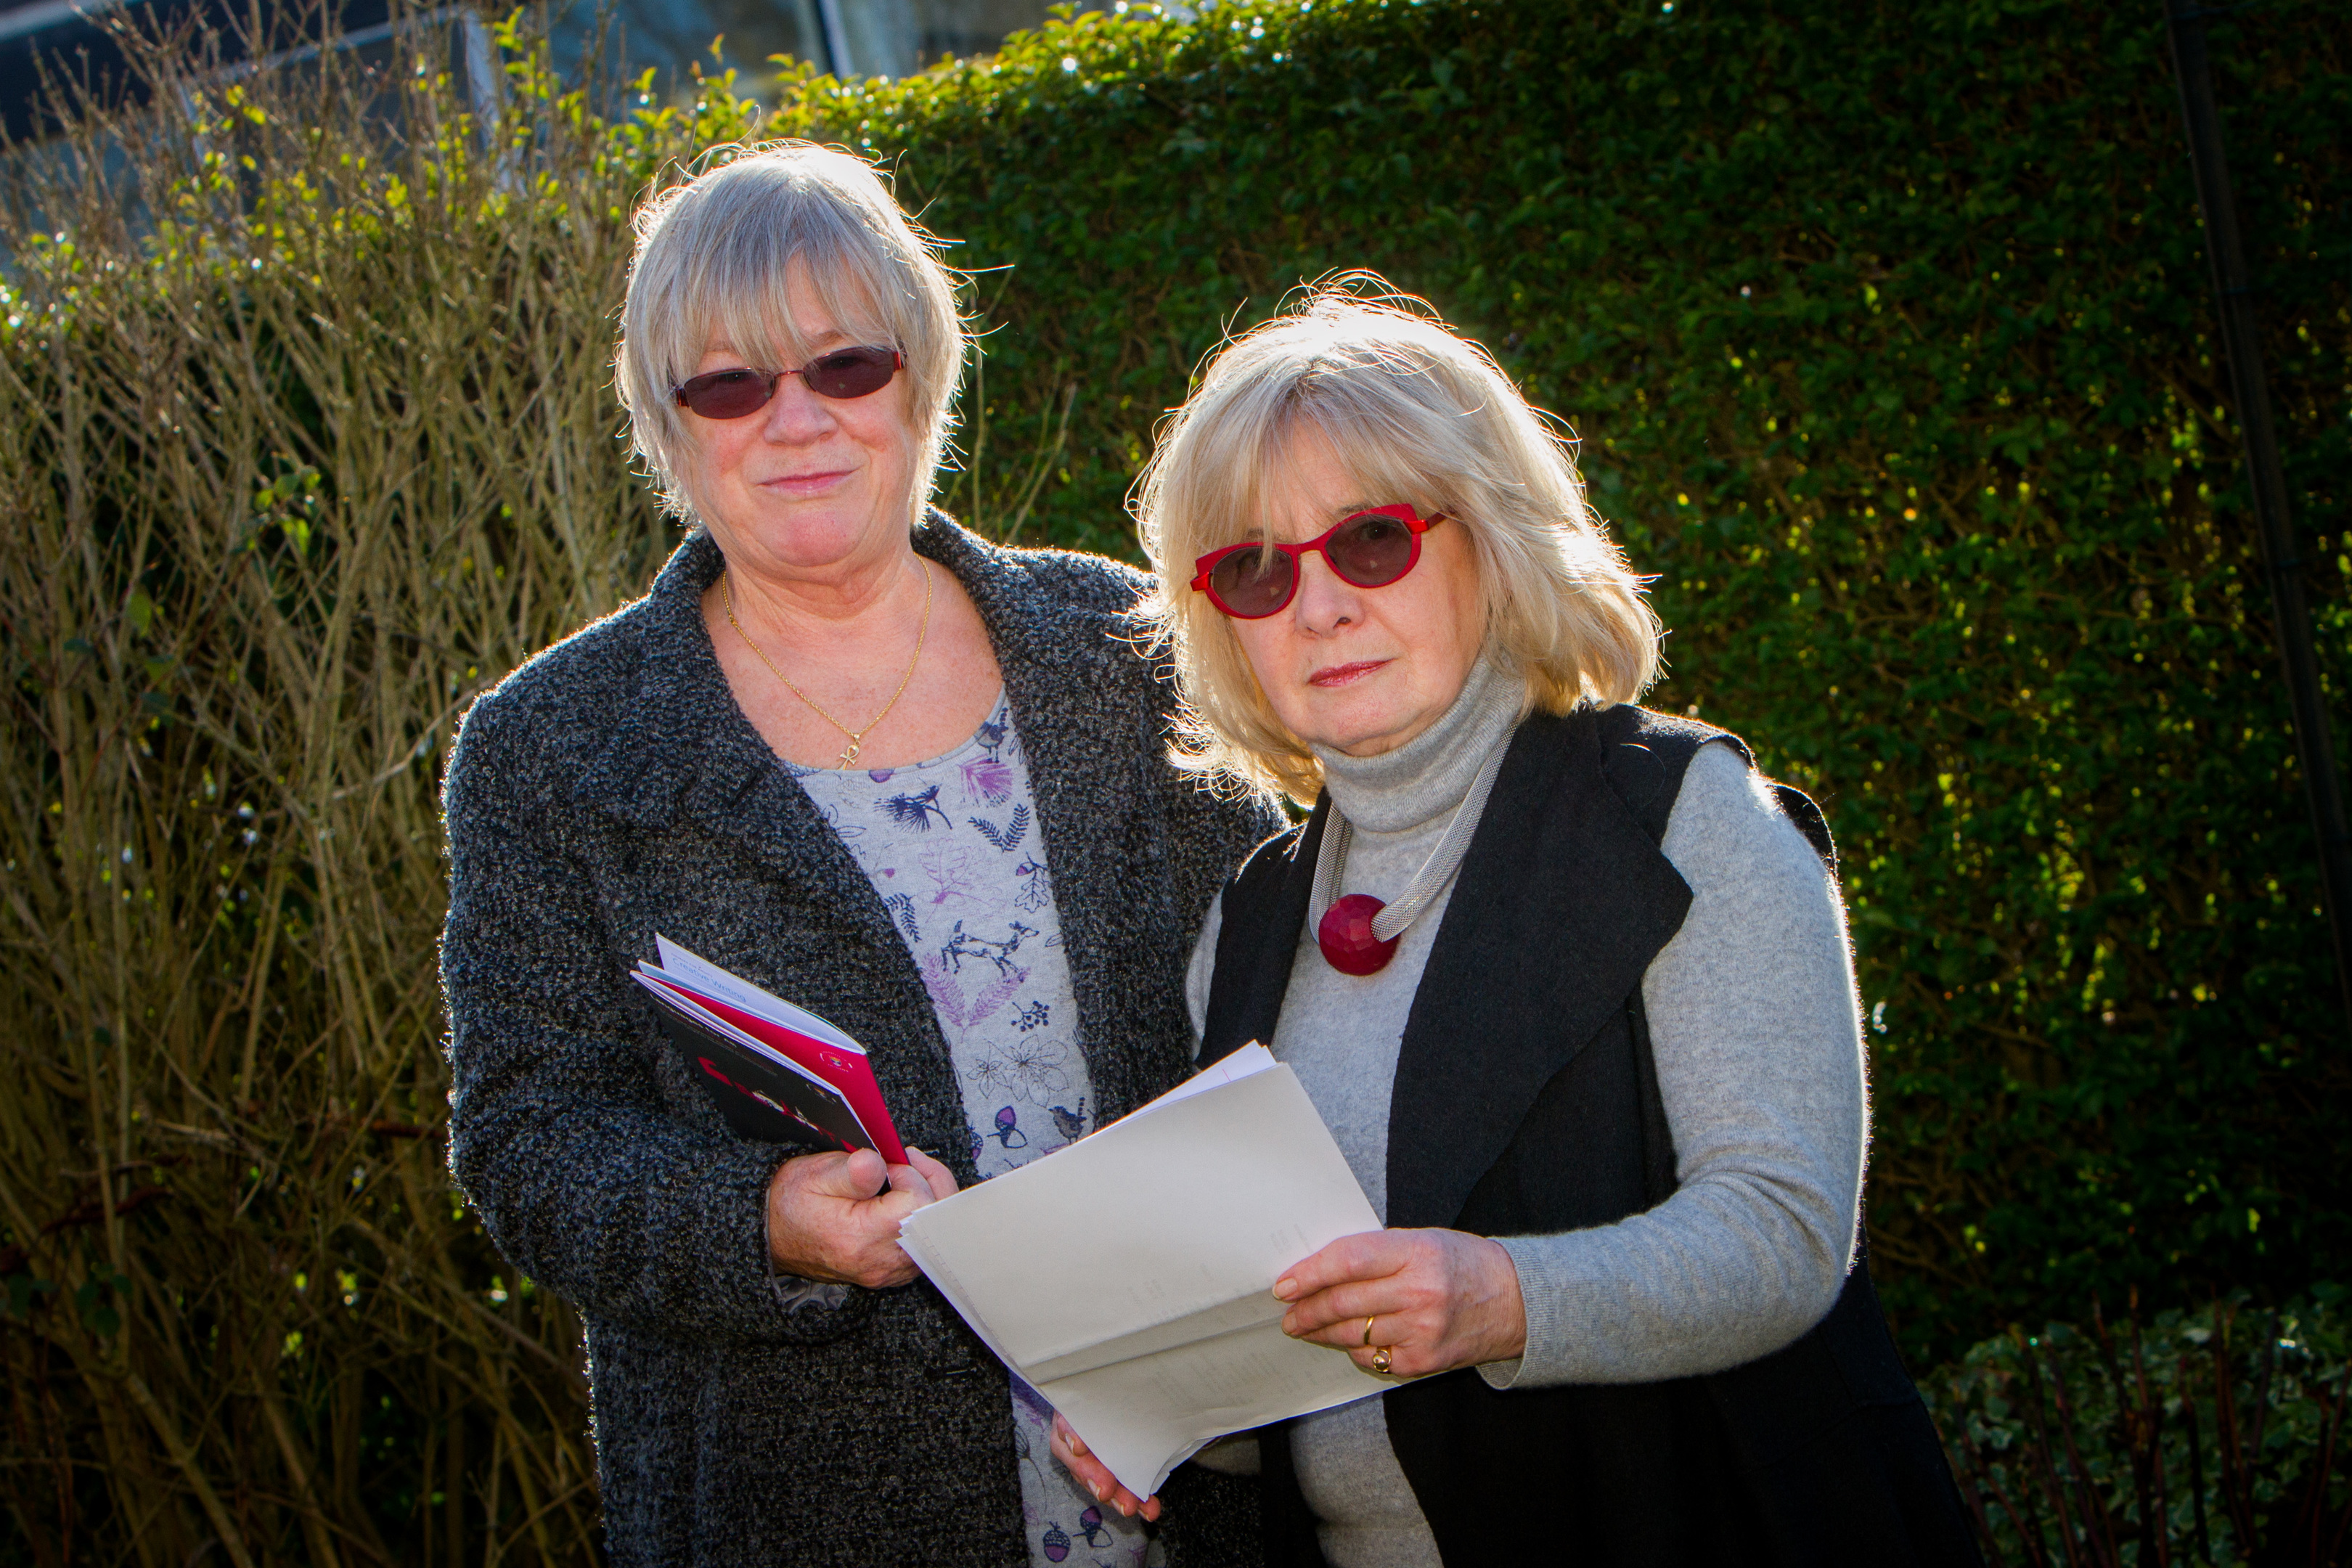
(952, 847)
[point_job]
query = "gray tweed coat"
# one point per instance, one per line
(610, 788)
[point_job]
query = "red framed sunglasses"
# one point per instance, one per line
(1371, 549)
(842, 374)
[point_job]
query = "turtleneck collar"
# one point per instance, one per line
(1429, 774)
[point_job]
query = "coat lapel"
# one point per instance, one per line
(1561, 903)
(1051, 650)
(683, 756)
(687, 755)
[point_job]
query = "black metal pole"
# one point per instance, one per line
(2281, 557)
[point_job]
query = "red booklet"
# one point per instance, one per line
(776, 1072)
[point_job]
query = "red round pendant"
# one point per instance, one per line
(1345, 937)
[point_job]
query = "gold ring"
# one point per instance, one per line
(1367, 1333)
(1380, 1361)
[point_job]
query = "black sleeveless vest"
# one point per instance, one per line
(1526, 1102)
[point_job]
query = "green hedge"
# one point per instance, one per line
(299, 465)
(2212, 1436)
(1888, 331)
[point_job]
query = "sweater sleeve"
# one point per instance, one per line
(1758, 1040)
(583, 1177)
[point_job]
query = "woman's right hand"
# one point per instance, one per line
(835, 1216)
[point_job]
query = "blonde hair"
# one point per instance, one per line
(713, 257)
(1414, 413)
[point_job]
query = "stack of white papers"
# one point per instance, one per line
(1129, 1278)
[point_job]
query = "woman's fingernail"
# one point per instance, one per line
(1102, 1492)
(1284, 1289)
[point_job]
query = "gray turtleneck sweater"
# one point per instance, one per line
(1758, 1041)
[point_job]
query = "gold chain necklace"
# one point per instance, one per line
(857, 737)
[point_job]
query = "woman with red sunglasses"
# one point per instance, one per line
(876, 765)
(1569, 980)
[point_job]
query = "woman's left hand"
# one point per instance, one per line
(1437, 1299)
(1093, 1474)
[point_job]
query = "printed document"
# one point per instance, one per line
(1129, 1278)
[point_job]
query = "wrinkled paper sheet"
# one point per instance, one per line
(1129, 1278)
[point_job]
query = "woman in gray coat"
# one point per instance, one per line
(863, 759)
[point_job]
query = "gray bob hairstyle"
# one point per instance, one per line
(1414, 413)
(712, 259)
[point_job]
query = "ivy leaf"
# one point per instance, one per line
(22, 1289)
(98, 1314)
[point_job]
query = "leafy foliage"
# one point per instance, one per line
(2214, 1437)
(306, 458)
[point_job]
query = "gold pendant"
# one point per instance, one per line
(849, 755)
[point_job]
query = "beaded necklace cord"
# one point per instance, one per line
(1358, 933)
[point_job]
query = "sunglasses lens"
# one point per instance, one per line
(726, 393)
(1371, 551)
(1253, 583)
(851, 372)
